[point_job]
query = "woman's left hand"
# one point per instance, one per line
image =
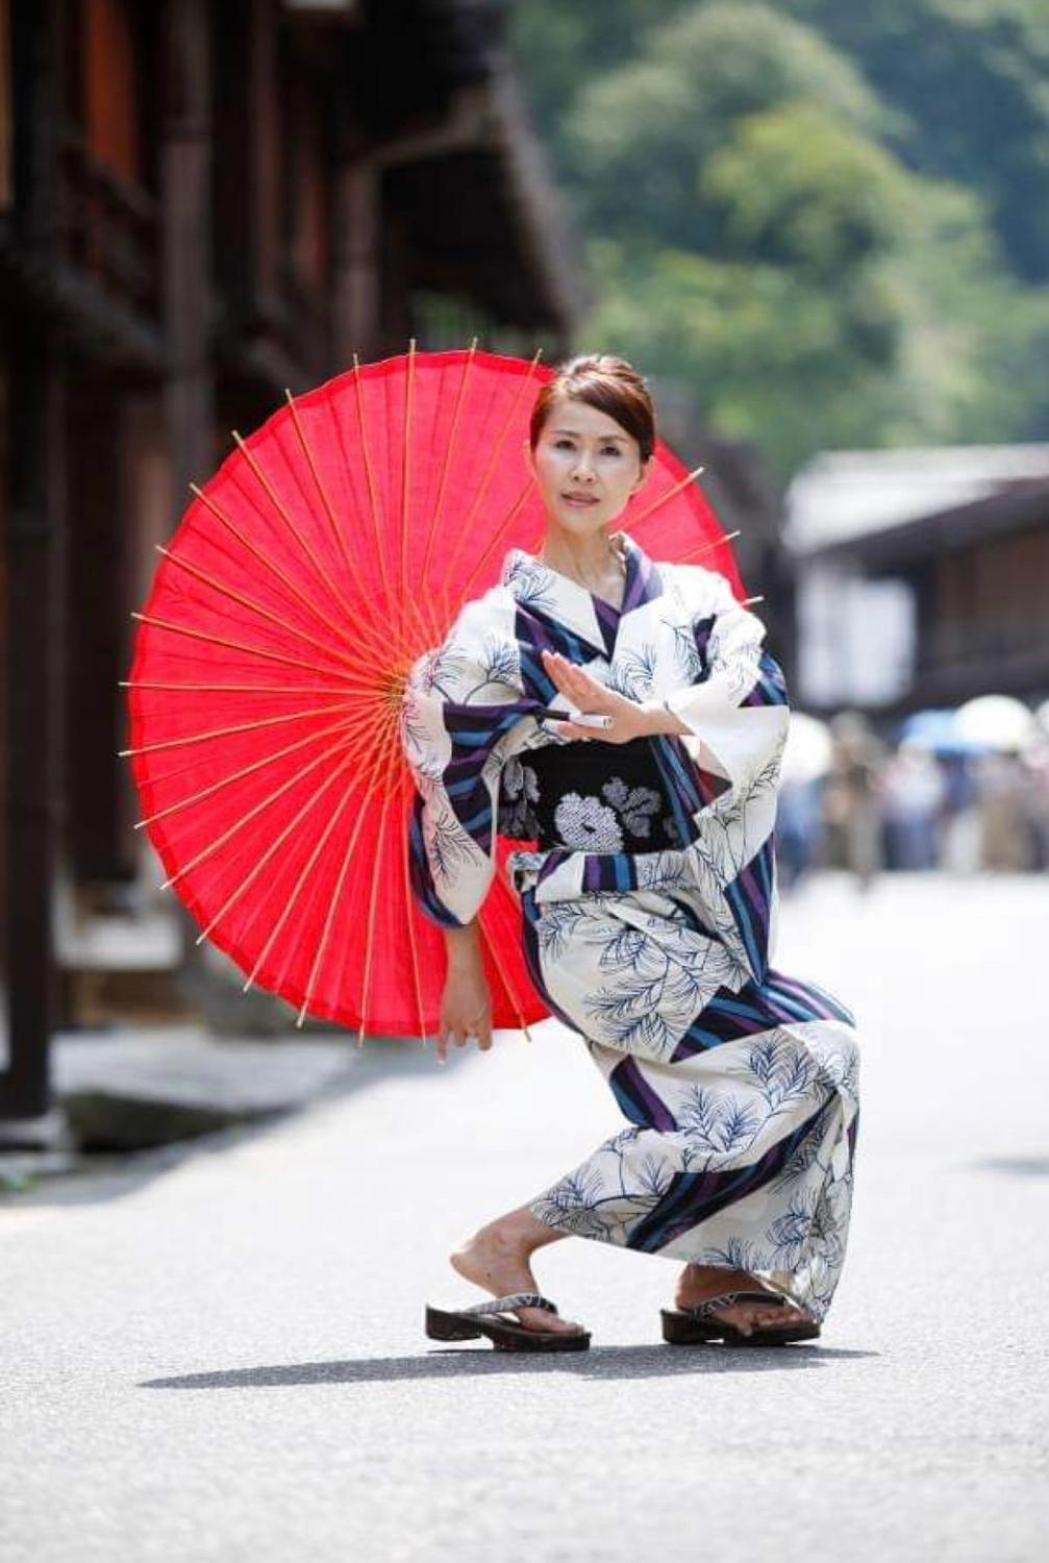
(629, 719)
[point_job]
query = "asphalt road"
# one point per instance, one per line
(220, 1356)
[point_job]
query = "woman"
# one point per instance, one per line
(648, 907)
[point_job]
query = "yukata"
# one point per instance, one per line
(649, 909)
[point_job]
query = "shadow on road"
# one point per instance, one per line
(607, 1362)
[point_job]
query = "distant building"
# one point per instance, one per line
(922, 576)
(203, 202)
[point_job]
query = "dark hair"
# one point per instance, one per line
(608, 383)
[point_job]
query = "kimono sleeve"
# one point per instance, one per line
(737, 708)
(461, 707)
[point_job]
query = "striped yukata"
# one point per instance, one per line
(649, 910)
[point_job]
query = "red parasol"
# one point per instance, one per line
(329, 551)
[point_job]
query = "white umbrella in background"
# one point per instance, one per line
(1041, 716)
(999, 721)
(808, 751)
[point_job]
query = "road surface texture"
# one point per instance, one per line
(219, 1355)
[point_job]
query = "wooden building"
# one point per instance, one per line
(922, 576)
(202, 202)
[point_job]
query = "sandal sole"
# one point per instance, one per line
(442, 1325)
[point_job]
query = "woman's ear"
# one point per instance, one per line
(529, 456)
(642, 477)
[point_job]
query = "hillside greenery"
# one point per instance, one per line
(829, 222)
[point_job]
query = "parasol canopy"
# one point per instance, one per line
(332, 548)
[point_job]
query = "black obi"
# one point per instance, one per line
(591, 797)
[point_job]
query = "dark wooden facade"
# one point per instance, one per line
(202, 202)
(980, 578)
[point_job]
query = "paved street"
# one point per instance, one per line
(220, 1355)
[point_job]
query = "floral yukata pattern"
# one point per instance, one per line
(649, 910)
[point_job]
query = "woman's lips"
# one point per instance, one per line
(581, 501)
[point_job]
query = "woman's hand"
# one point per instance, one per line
(629, 719)
(466, 1007)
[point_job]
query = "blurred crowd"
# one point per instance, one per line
(932, 798)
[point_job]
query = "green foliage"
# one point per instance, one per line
(972, 79)
(771, 229)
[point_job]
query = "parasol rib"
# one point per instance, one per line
(247, 770)
(369, 938)
(297, 891)
(305, 872)
(707, 548)
(286, 580)
(448, 452)
(493, 541)
(276, 844)
(333, 905)
(464, 530)
(250, 650)
(232, 689)
(391, 605)
(508, 988)
(240, 727)
(225, 590)
(376, 639)
(245, 819)
(666, 496)
(407, 791)
(406, 463)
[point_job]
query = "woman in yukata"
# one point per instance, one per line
(648, 906)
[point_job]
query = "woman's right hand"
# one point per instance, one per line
(466, 1007)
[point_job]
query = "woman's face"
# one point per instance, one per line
(586, 465)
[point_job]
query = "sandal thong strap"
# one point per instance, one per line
(726, 1300)
(511, 1303)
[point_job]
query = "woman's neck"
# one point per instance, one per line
(592, 561)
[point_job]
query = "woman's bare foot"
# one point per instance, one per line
(698, 1283)
(498, 1258)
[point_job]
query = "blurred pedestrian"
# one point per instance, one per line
(852, 798)
(913, 793)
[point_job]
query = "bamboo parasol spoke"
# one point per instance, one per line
(230, 689)
(245, 819)
(225, 590)
(394, 609)
(707, 548)
(240, 727)
(248, 770)
(377, 738)
(369, 937)
(493, 459)
(275, 845)
(304, 874)
(340, 631)
(409, 906)
(246, 649)
(368, 626)
(449, 450)
(666, 496)
(497, 535)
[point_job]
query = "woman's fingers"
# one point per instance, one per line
(581, 687)
(460, 1036)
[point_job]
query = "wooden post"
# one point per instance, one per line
(356, 270)
(36, 545)
(186, 217)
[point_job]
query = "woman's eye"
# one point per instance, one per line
(563, 444)
(611, 450)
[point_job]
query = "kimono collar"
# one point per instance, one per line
(545, 591)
